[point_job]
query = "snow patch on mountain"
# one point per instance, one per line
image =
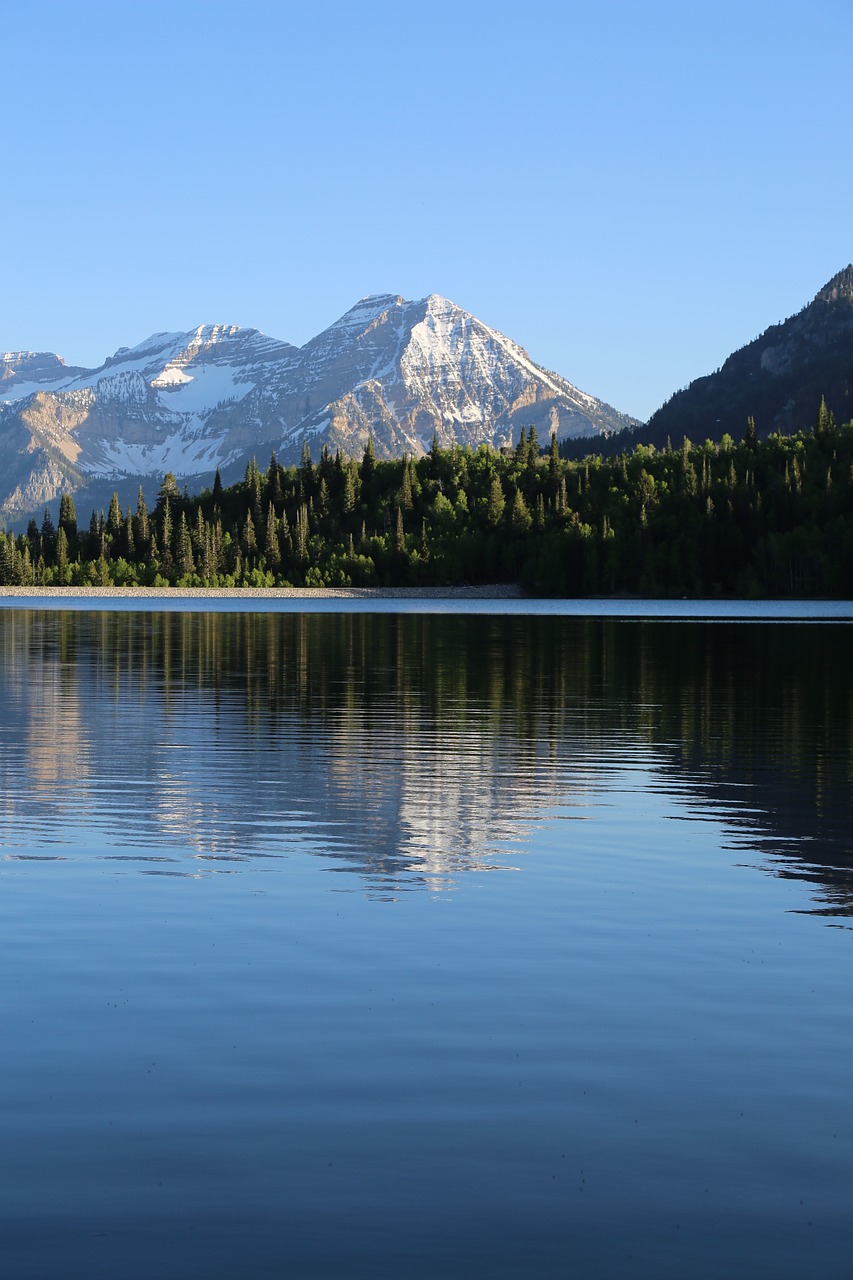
(203, 389)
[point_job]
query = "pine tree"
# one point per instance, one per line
(368, 471)
(168, 491)
(274, 484)
(554, 460)
(406, 499)
(166, 530)
(62, 550)
(520, 515)
(186, 562)
(142, 530)
(48, 536)
(825, 423)
(349, 489)
(249, 541)
(68, 516)
(272, 551)
(497, 502)
(115, 520)
(302, 531)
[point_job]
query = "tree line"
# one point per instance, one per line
(751, 518)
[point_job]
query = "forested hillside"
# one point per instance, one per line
(752, 518)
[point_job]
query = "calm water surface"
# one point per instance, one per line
(408, 945)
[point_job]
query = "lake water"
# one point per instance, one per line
(405, 944)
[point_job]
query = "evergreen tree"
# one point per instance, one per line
(68, 517)
(115, 520)
(142, 531)
(47, 543)
(554, 459)
(168, 491)
(62, 550)
(250, 541)
(186, 562)
(406, 497)
(497, 502)
(129, 540)
(521, 520)
(368, 471)
(272, 551)
(349, 491)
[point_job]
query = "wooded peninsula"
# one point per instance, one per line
(751, 518)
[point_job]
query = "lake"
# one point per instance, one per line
(393, 943)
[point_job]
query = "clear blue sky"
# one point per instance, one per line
(629, 190)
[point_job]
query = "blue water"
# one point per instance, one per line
(431, 946)
(237, 602)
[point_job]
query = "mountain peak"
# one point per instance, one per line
(31, 362)
(839, 288)
(368, 308)
(396, 371)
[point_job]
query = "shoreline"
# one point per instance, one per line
(493, 592)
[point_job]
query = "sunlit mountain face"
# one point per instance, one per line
(395, 371)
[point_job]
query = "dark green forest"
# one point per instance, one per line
(750, 518)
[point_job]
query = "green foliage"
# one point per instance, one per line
(760, 517)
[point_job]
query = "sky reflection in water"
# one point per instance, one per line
(408, 944)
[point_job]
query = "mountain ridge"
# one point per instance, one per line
(400, 372)
(778, 378)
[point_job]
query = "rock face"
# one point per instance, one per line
(400, 372)
(778, 379)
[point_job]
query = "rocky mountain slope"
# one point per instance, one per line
(394, 370)
(778, 379)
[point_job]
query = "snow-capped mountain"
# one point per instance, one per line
(397, 371)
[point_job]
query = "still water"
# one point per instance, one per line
(407, 945)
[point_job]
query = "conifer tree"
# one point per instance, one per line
(520, 514)
(47, 543)
(250, 541)
(68, 516)
(186, 562)
(349, 491)
(115, 520)
(368, 470)
(142, 530)
(554, 459)
(497, 502)
(406, 498)
(272, 551)
(62, 550)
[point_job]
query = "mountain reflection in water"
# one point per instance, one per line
(413, 748)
